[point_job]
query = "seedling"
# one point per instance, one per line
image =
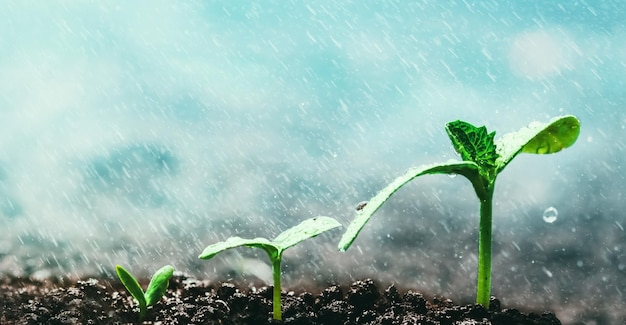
(274, 249)
(483, 159)
(156, 288)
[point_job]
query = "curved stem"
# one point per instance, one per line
(483, 288)
(276, 272)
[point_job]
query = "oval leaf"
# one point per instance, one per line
(465, 168)
(306, 229)
(158, 284)
(131, 284)
(233, 242)
(538, 138)
(558, 135)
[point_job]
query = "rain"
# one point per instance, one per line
(138, 133)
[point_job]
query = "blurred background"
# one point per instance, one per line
(137, 133)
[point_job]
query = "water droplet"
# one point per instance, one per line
(579, 263)
(361, 205)
(550, 215)
(452, 175)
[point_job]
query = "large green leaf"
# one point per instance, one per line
(305, 230)
(232, 242)
(158, 284)
(538, 138)
(465, 168)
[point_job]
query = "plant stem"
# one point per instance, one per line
(276, 272)
(142, 311)
(483, 288)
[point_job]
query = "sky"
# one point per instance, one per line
(125, 125)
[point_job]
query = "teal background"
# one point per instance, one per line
(139, 132)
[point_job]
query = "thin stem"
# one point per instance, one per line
(276, 271)
(142, 311)
(483, 288)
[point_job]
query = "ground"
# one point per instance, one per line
(189, 301)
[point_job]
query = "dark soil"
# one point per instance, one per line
(190, 301)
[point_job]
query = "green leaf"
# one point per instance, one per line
(466, 168)
(232, 242)
(538, 138)
(472, 143)
(158, 284)
(131, 284)
(307, 229)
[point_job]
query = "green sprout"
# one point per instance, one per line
(483, 159)
(274, 249)
(156, 288)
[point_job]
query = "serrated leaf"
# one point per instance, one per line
(305, 230)
(473, 143)
(131, 284)
(232, 242)
(538, 138)
(466, 168)
(158, 284)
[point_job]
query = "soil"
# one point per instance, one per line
(191, 301)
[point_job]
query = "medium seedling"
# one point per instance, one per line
(483, 159)
(274, 249)
(156, 288)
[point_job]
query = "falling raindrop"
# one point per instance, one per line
(550, 215)
(547, 272)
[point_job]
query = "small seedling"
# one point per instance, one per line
(156, 288)
(483, 159)
(274, 249)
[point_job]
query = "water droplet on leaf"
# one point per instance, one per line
(550, 215)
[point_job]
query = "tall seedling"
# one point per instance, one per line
(483, 159)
